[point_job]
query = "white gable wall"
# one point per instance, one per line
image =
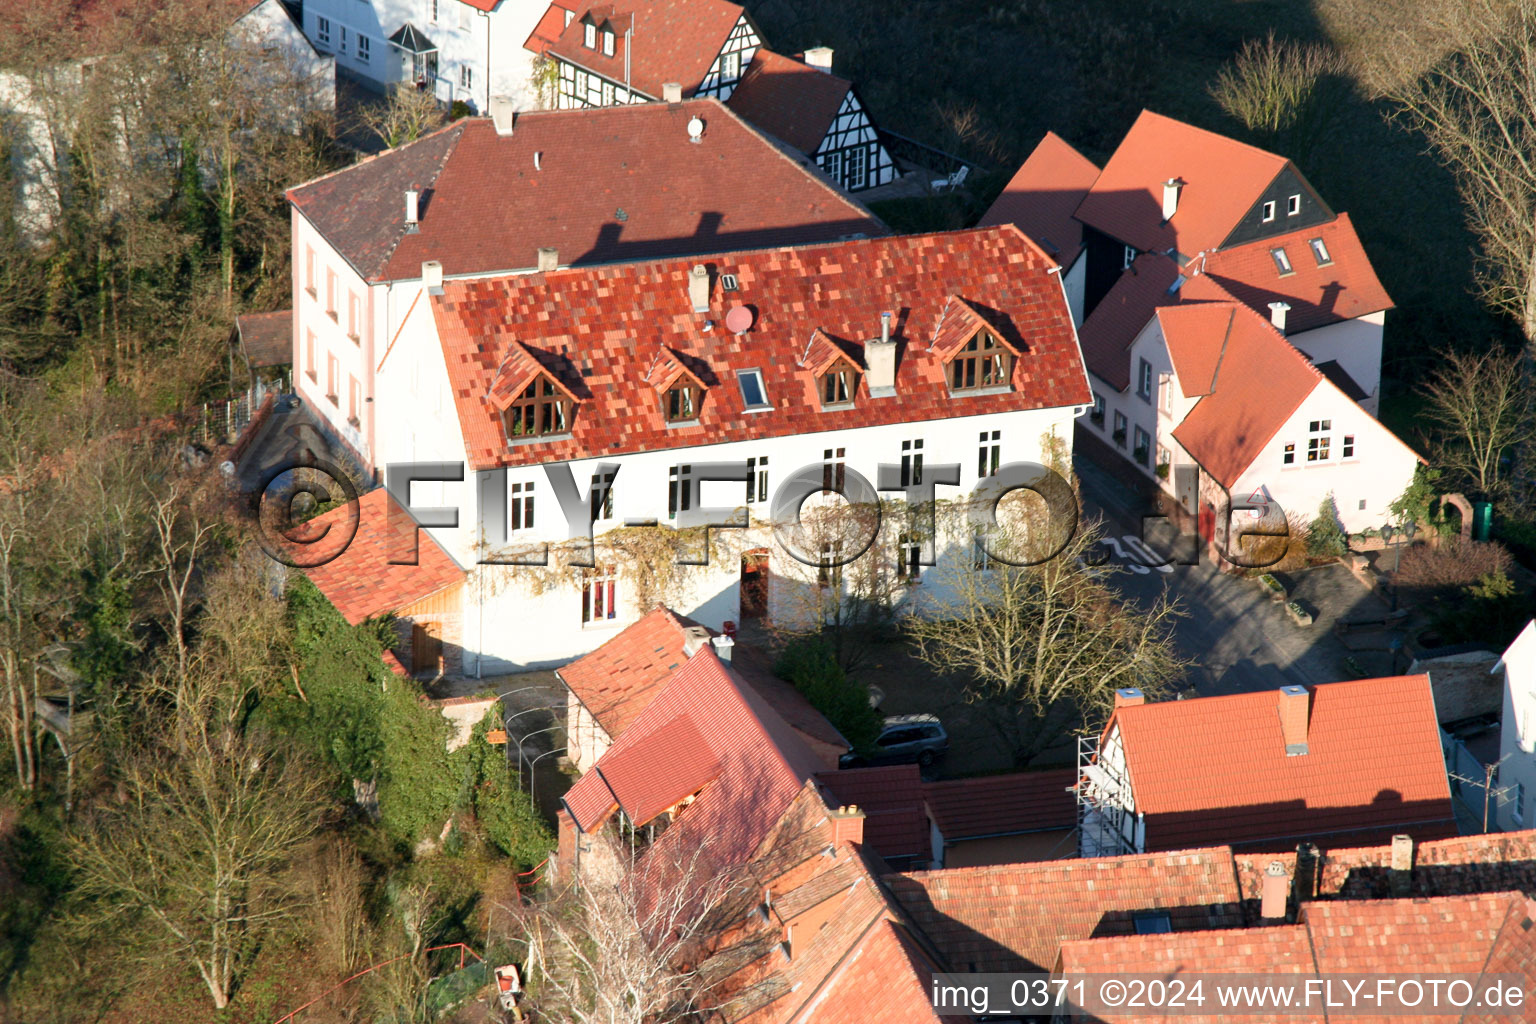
(1379, 470)
(1516, 781)
(1356, 346)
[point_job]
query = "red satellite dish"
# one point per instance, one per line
(739, 320)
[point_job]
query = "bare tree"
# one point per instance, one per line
(1484, 409)
(628, 951)
(200, 844)
(1050, 639)
(1287, 93)
(408, 114)
(1477, 107)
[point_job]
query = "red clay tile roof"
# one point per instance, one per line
(1257, 381)
(1014, 917)
(616, 183)
(674, 41)
(789, 100)
(1122, 313)
(1216, 768)
(604, 326)
(1343, 289)
(551, 24)
(1441, 867)
(1223, 179)
(616, 681)
(763, 764)
(359, 581)
(645, 785)
(891, 797)
(753, 665)
(1470, 935)
(267, 338)
(1272, 950)
(1043, 195)
(995, 805)
(884, 979)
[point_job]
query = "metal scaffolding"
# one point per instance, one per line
(1104, 822)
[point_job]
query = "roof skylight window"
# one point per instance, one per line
(1282, 261)
(753, 393)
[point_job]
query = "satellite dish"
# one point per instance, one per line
(695, 128)
(739, 320)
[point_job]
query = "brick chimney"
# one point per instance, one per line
(880, 361)
(549, 259)
(848, 825)
(1277, 311)
(1295, 708)
(1129, 696)
(1402, 865)
(671, 92)
(1276, 889)
(820, 58)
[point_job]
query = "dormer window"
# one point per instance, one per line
(589, 35)
(608, 42)
(682, 402)
(541, 410)
(839, 383)
(1293, 205)
(982, 363)
(1268, 212)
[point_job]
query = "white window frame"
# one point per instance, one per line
(1282, 261)
(607, 42)
(911, 462)
(363, 48)
(757, 479)
(1144, 381)
(756, 375)
(520, 506)
(322, 30)
(466, 76)
(1320, 251)
(589, 36)
(599, 596)
(341, 47)
(1137, 444)
(1128, 257)
(1267, 211)
(1293, 205)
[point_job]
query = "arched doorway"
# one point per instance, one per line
(754, 583)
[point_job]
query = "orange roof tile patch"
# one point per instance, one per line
(646, 785)
(1043, 195)
(617, 681)
(1197, 336)
(891, 797)
(600, 343)
(1216, 768)
(1344, 288)
(1014, 917)
(359, 580)
(885, 979)
(551, 23)
(580, 181)
(1222, 177)
(788, 99)
(673, 41)
(1010, 804)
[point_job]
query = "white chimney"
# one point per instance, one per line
(503, 116)
(723, 647)
(671, 92)
(432, 277)
(880, 361)
(549, 259)
(412, 209)
(1277, 311)
(820, 58)
(1171, 189)
(694, 638)
(698, 288)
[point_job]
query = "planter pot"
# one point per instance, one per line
(1273, 588)
(1298, 614)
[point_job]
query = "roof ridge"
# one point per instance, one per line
(1148, 111)
(405, 228)
(373, 157)
(1222, 355)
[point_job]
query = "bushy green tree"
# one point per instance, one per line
(1325, 537)
(811, 665)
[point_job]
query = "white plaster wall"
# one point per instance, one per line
(1356, 345)
(1381, 468)
(1517, 746)
(491, 45)
(1072, 282)
(354, 358)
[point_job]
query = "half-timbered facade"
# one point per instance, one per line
(606, 57)
(804, 105)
